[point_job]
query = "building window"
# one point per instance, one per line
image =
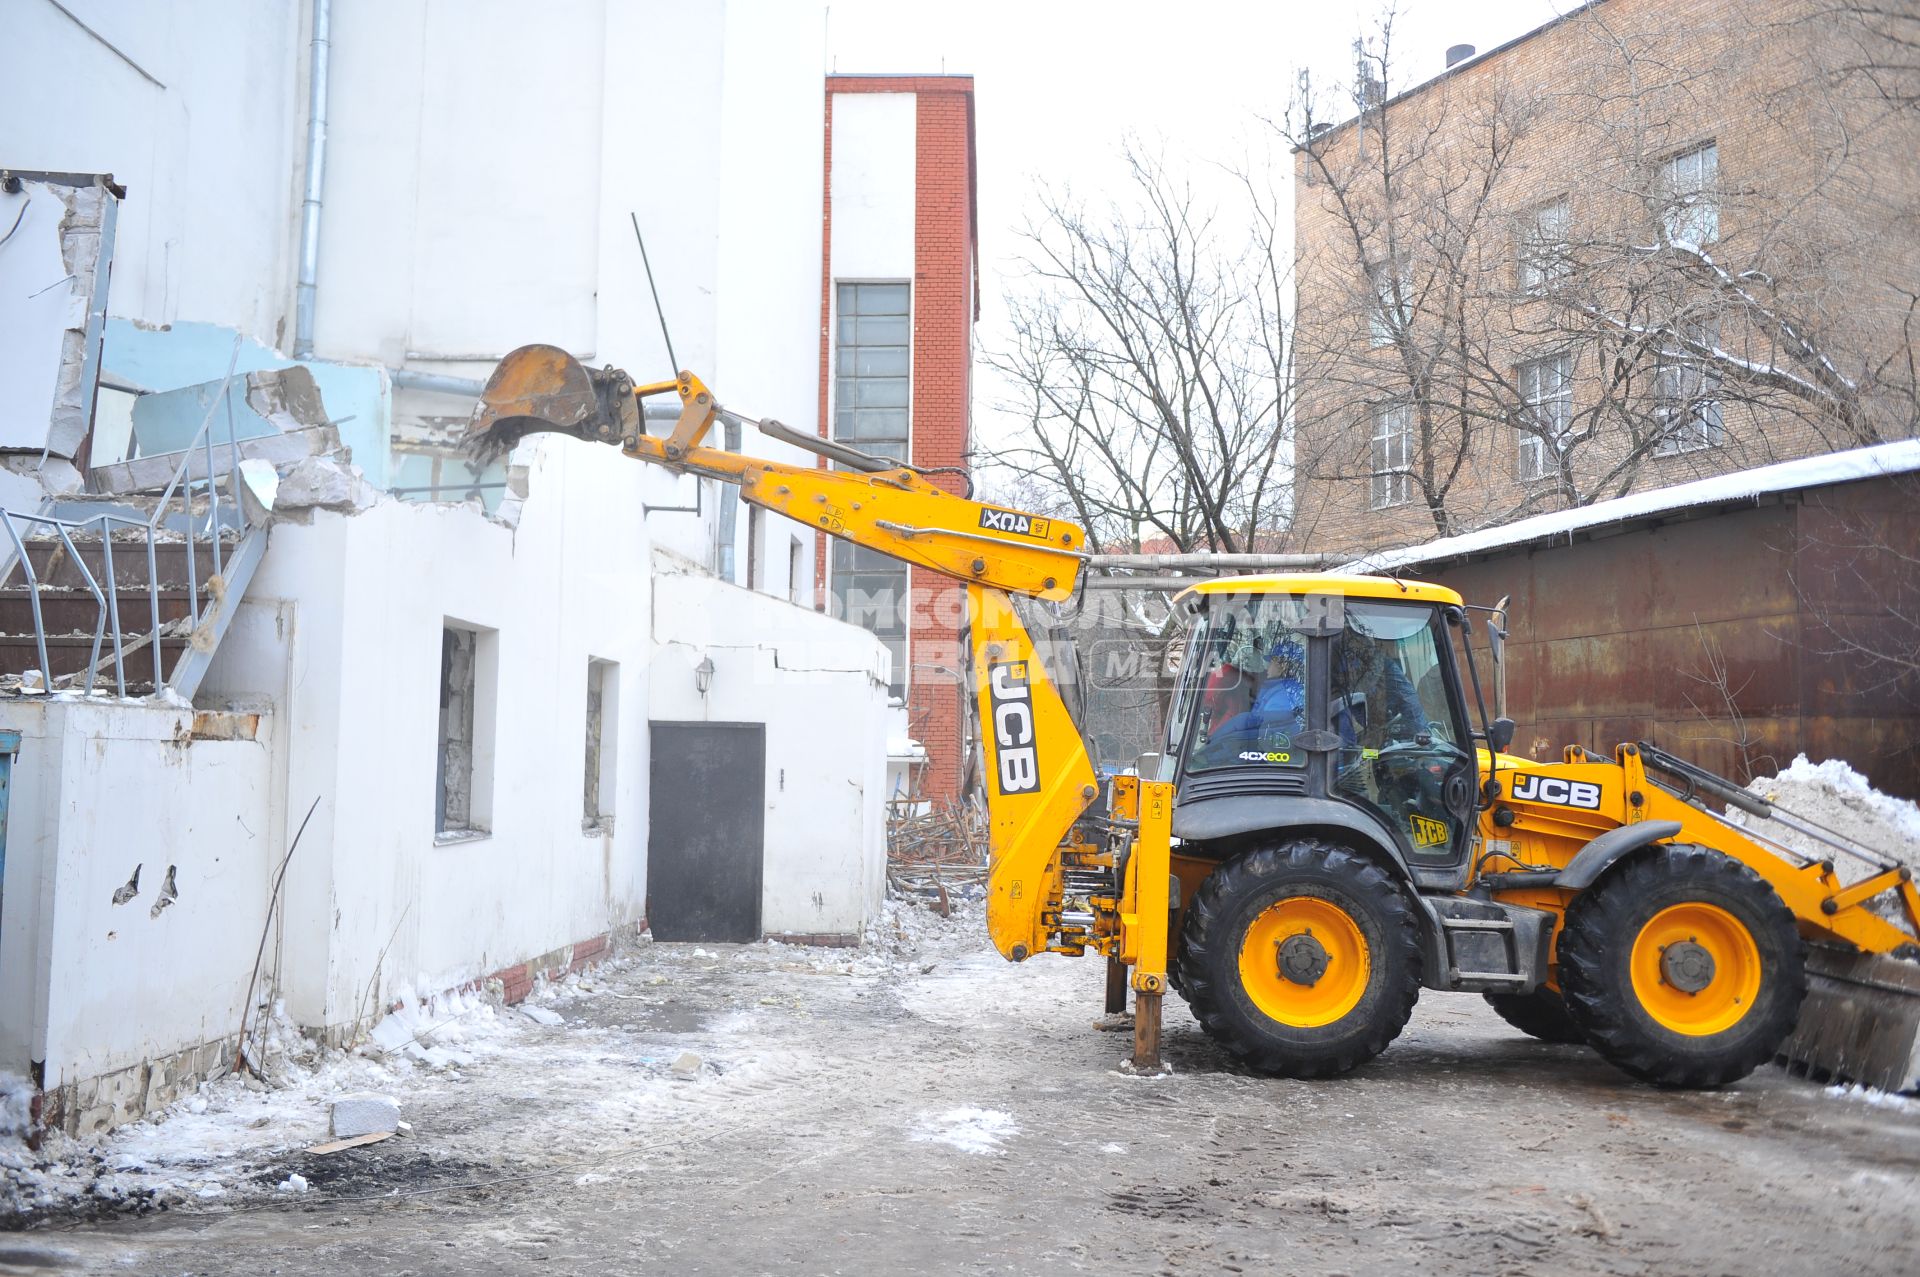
(1392, 456)
(1543, 246)
(603, 729)
(464, 773)
(870, 590)
(872, 364)
(1688, 192)
(1546, 394)
(1392, 309)
(793, 570)
(872, 388)
(1686, 392)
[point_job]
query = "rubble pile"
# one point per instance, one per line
(935, 850)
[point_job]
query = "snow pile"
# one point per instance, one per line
(1839, 799)
(211, 1143)
(971, 1130)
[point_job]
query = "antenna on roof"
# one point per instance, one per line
(654, 289)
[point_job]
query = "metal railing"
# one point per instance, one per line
(153, 533)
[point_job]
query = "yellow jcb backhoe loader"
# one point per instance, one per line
(1330, 829)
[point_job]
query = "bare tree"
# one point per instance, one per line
(1151, 362)
(1408, 204)
(1498, 329)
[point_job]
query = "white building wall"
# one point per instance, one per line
(202, 121)
(873, 185)
(822, 692)
(354, 606)
(90, 985)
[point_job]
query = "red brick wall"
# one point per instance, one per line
(945, 305)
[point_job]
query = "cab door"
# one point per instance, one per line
(1403, 750)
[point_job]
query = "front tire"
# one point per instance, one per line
(1301, 959)
(1683, 967)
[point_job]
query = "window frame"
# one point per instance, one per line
(1383, 331)
(1536, 271)
(1533, 443)
(1687, 407)
(1392, 423)
(1687, 204)
(838, 574)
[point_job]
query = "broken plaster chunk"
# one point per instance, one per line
(686, 1064)
(540, 1015)
(325, 484)
(355, 1115)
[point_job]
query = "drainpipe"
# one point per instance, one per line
(316, 174)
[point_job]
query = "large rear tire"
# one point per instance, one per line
(1541, 1014)
(1301, 959)
(1683, 967)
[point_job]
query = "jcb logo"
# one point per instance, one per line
(1560, 793)
(1427, 832)
(1013, 521)
(1011, 703)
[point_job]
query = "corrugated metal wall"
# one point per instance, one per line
(1726, 637)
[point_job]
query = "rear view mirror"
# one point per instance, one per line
(1497, 631)
(1500, 735)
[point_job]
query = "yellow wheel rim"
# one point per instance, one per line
(1696, 969)
(1304, 962)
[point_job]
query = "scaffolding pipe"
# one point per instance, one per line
(1213, 563)
(319, 54)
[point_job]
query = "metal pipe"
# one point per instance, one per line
(318, 57)
(439, 383)
(1207, 562)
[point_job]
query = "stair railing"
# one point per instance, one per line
(153, 530)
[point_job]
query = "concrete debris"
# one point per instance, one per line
(295, 1183)
(540, 1015)
(356, 1115)
(686, 1064)
(286, 398)
(322, 483)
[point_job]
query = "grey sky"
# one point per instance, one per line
(1058, 85)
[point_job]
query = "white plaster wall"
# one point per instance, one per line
(209, 155)
(873, 185)
(90, 986)
(462, 172)
(353, 607)
(819, 685)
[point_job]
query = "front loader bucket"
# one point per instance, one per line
(539, 388)
(1861, 1020)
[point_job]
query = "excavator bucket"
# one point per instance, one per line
(539, 388)
(1861, 1020)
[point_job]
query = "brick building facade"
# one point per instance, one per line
(898, 301)
(1647, 242)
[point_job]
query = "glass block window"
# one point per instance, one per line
(872, 389)
(873, 352)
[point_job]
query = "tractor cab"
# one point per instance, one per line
(1328, 701)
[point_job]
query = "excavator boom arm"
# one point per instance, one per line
(871, 501)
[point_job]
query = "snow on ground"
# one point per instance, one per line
(971, 1130)
(223, 1143)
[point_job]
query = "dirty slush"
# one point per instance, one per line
(919, 1105)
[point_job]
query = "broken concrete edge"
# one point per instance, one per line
(91, 1106)
(816, 939)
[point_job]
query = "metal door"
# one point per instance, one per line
(705, 831)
